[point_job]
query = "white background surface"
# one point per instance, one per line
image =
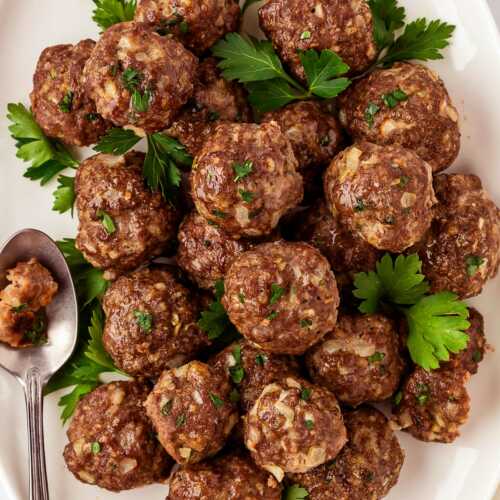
(465, 471)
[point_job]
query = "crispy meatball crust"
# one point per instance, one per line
(164, 69)
(58, 100)
(151, 323)
(384, 194)
(111, 441)
(205, 251)
(426, 122)
(346, 28)
(144, 223)
(358, 360)
(461, 252)
(250, 203)
(233, 476)
(294, 426)
(433, 404)
(191, 411)
(251, 369)
(367, 467)
(198, 25)
(314, 133)
(282, 296)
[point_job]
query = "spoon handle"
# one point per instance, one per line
(34, 406)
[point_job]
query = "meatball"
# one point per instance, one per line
(347, 252)
(122, 223)
(111, 441)
(346, 28)
(197, 24)
(314, 132)
(30, 289)
(293, 427)
(461, 252)
(214, 99)
(433, 405)
(244, 178)
(151, 323)
(406, 105)
(59, 102)
(205, 251)
(233, 476)
(367, 467)
(192, 411)
(251, 369)
(358, 360)
(136, 77)
(384, 194)
(282, 296)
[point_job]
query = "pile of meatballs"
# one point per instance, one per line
(285, 208)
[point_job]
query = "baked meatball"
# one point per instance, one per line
(233, 476)
(367, 467)
(251, 369)
(282, 296)
(245, 178)
(59, 102)
(137, 77)
(215, 99)
(294, 426)
(151, 323)
(30, 289)
(347, 252)
(192, 411)
(461, 252)
(111, 441)
(406, 105)
(122, 223)
(313, 131)
(358, 360)
(346, 28)
(205, 251)
(433, 405)
(384, 194)
(197, 24)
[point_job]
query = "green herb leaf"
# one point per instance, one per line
(242, 169)
(371, 110)
(64, 195)
(387, 18)
(272, 94)
(474, 262)
(276, 293)
(131, 79)
(95, 447)
(107, 221)
(141, 101)
(66, 103)
(180, 421)
(261, 359)
(216, 400)
(19, 308)
(109, 12)
(305, 323)
(167, 408)
(95, 349)
(392, 99)
(423, 394)
(398, 398)
(295, 492)
(272, 315)
(305, 393)
(69, 401)
(305, 35)
(144, 320)
(376, 357)
(246, 196)
(117, 141)
(309, 424)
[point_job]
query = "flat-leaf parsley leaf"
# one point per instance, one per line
(109, 12)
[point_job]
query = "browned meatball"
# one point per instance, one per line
(205, 251)
(192, 411)
(384, 194)
(215, 99)
(407, 105)
(136, 77)
(251, 369)
(461, 252)
(313, 131)
(30, 289)
(282, 296)
(433, 405)
(59, 102)
(245, 178)
(294, 426)
(347, 252)
(197, 24)
(122, 223)
(358, 360)
(111, 441)
(346, 28)
(233, 476)
(367, 467)
(151, 323)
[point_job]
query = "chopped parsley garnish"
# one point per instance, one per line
(360, 205)
(237, 371)
(423, 394)
(184, 27)
(92, 117)
(219, 214)
(109, 12)
(398, 398)
(216, 400)
(241, 298)
(167, 408)
(107, 221)
(246, 196)
(36, 335)
(309, 424)
(19, 308)
(306, 323)
(325, 141)
(272, 315)
(261, 359)
(131, 79)
(242, 170)
(404, 180)
(144, 320)
(95, 447)
(376, 357)
(371, 110)
(180, 421)
(474, 262)
(305, 393)
(141, 102)
(305, 35)
(213, 116)
(276, 293)
(295, 492)
(392, 99)
(66, 103)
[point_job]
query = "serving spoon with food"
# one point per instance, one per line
(33, 366)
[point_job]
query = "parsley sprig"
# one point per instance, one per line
(436, 323)
(64, 195)
(109, 12)
(295, 492)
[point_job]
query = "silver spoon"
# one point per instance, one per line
(34, 366)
